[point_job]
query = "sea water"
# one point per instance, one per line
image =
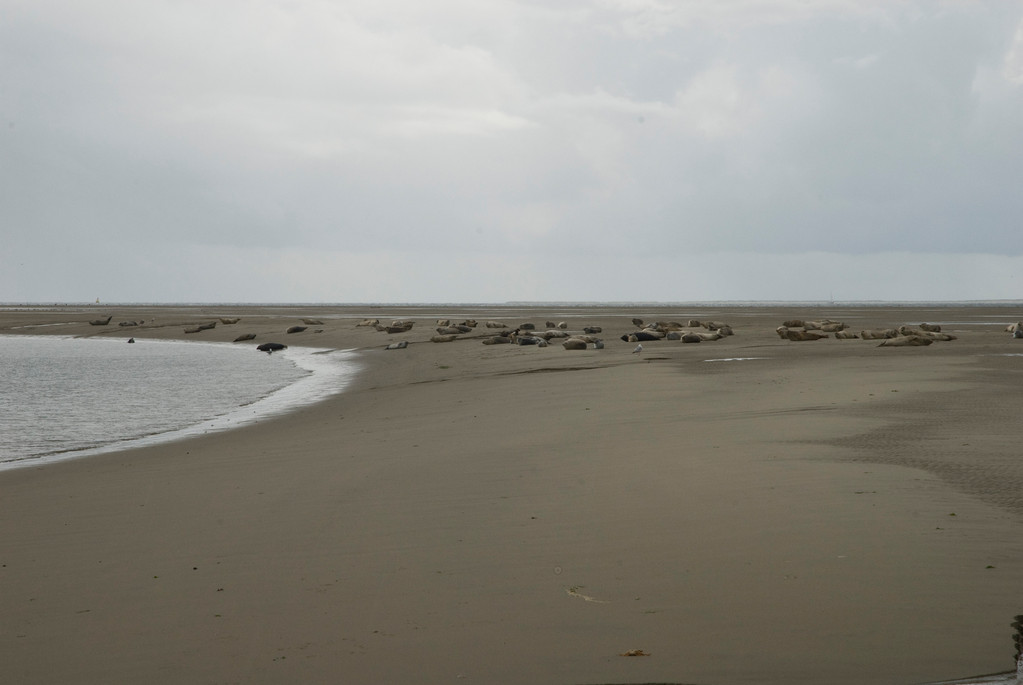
(64, 397)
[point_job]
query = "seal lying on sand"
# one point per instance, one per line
(399, 327)
(271, 347)
(457, 329)
(295, 329)
(247, 336)
(100, 322)
(642, 336)
(878, 333)
(800, 334)
(905, 341)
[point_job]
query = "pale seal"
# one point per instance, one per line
(878, 333)
(905, 341)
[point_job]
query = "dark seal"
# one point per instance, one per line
(271, 347)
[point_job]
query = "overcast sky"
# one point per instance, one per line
(507, 150)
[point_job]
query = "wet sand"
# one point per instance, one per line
(749, 510)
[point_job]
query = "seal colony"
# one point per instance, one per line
(446, 513)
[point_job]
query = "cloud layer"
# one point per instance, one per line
(499, 150)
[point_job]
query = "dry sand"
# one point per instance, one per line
(815, 512)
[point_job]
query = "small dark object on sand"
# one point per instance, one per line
(271, 347)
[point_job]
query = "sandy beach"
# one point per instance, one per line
(746, 510)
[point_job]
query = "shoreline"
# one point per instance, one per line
(319, 382)
(782, 518)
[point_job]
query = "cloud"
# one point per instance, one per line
(508, 134)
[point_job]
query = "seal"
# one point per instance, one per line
(271, 347)
(574, 344)
(100, 322)
(295, 329)
(246, 336)
(878, 333)
(312, 322)
(398, 345)
(798, 334)
(905, 341)
(642, 336)
(228, 322)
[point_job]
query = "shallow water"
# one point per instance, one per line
(65, 398)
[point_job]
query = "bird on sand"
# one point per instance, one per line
(639, 348)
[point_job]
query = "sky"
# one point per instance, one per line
(490, 151)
